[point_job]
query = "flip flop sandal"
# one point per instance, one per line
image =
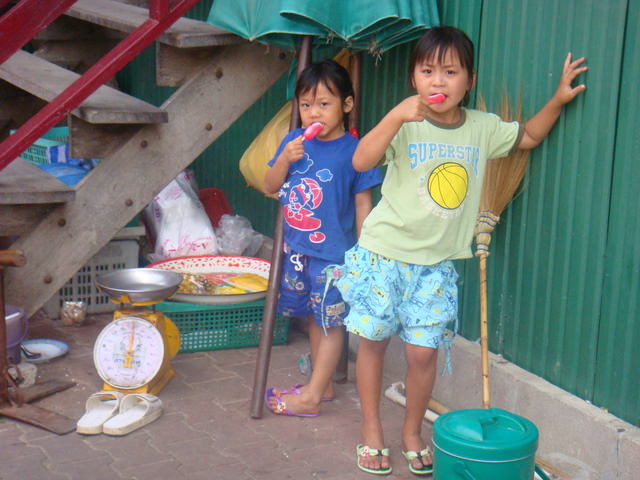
(295, 390)
(365, 451)
(136, 410)
(410, 455)
(281, 406)
(100, 407)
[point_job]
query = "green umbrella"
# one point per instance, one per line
(373, 25)
(259, 20)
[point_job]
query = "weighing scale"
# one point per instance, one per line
(132, 354)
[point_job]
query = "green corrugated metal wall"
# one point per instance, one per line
(616, 383)
(564, 272)
(555, 302)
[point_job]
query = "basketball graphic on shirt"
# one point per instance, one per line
(448, 185)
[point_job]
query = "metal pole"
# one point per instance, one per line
(269, 313)
(355, 64)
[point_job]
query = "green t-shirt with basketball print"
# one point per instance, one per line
(431, 191)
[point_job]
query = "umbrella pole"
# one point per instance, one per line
(355, 67)
(269, 313)
(355, 62)
(484, 337)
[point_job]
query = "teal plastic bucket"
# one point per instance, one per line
(484, 444)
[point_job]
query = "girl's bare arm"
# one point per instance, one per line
(364, 205)
(539, 126)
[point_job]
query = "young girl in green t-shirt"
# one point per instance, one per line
(399, 278)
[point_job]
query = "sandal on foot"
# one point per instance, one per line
(281, 406)
(100, 407)
(295, 390)
(410, 455)
(365, 451)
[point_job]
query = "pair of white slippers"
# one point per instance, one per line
(115, 413)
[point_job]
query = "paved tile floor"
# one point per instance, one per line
(205, 432)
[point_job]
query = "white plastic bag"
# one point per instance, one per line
(181, 224)
(236, 236)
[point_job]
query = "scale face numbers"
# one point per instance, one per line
(128, 352)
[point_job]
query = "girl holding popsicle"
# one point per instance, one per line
(399, 278)
(324, 201)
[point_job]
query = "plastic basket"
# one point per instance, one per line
(216, 327)
(117, 255)
(52, 140)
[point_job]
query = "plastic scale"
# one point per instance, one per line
(132, 353)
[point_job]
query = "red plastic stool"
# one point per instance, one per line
(214, 203)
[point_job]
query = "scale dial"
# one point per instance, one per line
(128, 352)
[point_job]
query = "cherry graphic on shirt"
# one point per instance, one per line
(317, 237)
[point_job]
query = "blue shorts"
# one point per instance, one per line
(386, 297)
(304, 290)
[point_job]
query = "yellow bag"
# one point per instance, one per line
(253, 164)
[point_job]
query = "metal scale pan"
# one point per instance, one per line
(139, 286)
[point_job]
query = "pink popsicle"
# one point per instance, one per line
(436, 98)
(312, 130)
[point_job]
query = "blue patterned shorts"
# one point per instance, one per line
(304, 290)
(386, 297)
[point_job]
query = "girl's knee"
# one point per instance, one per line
(377, 347)
(421, 357)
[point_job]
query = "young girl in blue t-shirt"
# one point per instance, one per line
(399, 279)
(324, 201)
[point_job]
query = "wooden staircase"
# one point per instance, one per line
(142, 147)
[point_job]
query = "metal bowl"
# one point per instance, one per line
(139, 285)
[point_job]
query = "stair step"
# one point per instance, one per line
(27, 195)
(184, 33)
(22, 182)
(47, 80)
(114, 192)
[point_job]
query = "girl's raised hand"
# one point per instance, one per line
(294, 150)
(412, 109)
(570, 70)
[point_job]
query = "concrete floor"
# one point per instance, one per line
(205, 431)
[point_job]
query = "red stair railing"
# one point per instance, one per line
(25, 20)
(162, 14)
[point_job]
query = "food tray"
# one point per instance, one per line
(211, 264)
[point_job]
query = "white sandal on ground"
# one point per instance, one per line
(136, 410)
(100, 407)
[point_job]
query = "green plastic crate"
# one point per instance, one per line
(215, 327)
(37, 153)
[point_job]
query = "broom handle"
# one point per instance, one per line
(484, 340)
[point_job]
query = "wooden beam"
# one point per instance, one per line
(89, 140)
(175, 65)
(184, 33)
(16, 220)
(125, 182)
(22, 183)
(46, 80)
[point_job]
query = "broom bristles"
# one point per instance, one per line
(503, 175)
(501, 180)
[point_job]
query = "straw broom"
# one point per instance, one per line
(502, 177)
